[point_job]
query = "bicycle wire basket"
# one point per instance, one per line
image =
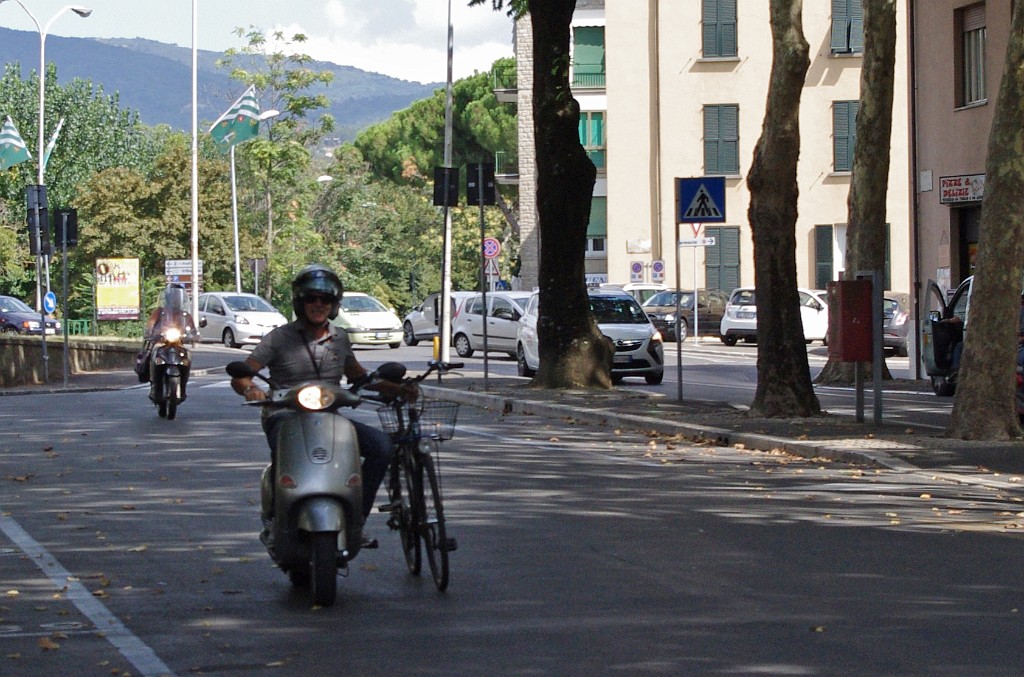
(437, 418)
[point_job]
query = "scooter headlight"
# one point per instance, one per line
(172, 334)
(315, 398)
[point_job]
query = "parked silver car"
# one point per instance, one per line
(420, 324)
(504, 308)
(638, 345)
(236, 318)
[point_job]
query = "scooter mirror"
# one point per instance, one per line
(391, 371)
(239, 370)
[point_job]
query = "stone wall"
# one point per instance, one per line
(21, 357)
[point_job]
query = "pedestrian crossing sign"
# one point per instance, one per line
(700, 200)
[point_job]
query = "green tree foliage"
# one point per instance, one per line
(274, 172)
(97, 135)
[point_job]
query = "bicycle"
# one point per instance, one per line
(413, 483)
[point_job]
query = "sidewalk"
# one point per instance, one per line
(833, 437)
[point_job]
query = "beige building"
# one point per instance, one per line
(958, 56)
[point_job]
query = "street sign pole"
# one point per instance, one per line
(679, 344)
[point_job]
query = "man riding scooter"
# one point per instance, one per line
(311, 349)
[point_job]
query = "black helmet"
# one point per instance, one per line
(316, 279)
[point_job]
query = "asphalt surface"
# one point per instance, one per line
(833, 437)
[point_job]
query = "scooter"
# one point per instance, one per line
(312, 492)
(169, 367)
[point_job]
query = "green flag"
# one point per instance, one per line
(240, 123)
(12, 147)
(53, 142)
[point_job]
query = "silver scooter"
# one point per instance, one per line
(313, 487)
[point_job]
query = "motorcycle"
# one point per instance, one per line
(313, 486)
(169, 367)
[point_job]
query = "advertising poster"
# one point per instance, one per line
(117, 289)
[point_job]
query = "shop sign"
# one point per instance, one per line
(963, 188)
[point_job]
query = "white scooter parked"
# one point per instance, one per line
(314, 487)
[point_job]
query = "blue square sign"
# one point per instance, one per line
(700, 200)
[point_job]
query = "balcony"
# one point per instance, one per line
(506, 167)
(503, 81)
(588, 76)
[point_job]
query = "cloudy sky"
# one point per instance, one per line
(406, 39)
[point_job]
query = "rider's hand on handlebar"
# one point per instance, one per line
(254, 393)
(409, 392)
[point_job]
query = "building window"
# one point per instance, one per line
(844, 134)
(592, 139)
(588, 56)
(847, 27)
(971, 22)
(595, 247)
(597, 229)
(830, 245)
(722, 139)
(718, 19)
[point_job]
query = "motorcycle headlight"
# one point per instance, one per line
(315, 398)
(173, 334)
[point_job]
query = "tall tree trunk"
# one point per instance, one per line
(783, 376)
(573, 353)
(984, 405)
(865, 232)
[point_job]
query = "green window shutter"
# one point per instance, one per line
(722, 260)
(822, 256)
(840, 26)
(856, 9)
(718, 20)
(721, 140)
(588, 52)
(598, 226)
(596, 129)
(844, 134)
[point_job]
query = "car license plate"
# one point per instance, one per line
(622, 359)
(746, 315)
(51, 330)
(381, 335)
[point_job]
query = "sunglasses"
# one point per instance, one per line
(319, 298)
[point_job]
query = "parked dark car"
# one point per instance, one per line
(896, 308)
(661, 308)
(17, 317)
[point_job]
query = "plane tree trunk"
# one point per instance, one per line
(783, 376)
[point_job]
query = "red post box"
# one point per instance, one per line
(849, 305)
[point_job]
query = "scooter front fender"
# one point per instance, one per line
(321, 513)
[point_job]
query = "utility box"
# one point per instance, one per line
(850, 325)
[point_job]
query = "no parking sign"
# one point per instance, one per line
(658, 271)
(636, 271)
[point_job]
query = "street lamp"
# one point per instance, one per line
(42, 30)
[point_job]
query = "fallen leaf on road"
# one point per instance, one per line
(47, 644)
(141, 548)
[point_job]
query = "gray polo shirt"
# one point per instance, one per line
(293, 357)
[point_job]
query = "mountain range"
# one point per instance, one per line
(155, 79)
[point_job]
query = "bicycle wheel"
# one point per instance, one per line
(402, 493)
(435, 538)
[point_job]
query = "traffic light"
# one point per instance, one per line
(452, 174)
(474, 182)
(68, 217)
(44, 231)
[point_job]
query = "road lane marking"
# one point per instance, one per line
(114, 631)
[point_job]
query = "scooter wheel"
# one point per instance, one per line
(325, 567)
(161, 409)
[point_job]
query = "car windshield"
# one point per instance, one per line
(668, 298)
(362, 304)
(617, 310)
(744, 297)
(248, 304)
(9, 304)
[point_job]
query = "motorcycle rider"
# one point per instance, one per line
(171, 312)
(312, 349)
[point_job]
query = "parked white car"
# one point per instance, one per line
(368, 321)
(421, 324)
(504, 308)
(641, 291)
(236, 318)
(740, 319)
(638, 345)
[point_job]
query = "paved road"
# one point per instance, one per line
(127, 546)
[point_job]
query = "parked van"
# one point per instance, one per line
(504, 308)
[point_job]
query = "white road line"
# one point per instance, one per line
(114, 631)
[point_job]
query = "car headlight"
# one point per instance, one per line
(656, 337)
(670, 317)
(240, 320)
(315, 398)
(30, 324)
(172, 334)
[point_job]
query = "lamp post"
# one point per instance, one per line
(42, 30)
